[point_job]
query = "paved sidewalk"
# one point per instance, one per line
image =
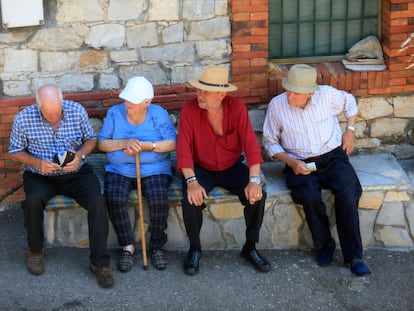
(225, 282)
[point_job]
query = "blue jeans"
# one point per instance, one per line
(335, 172)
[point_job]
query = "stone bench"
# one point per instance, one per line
(386, 211)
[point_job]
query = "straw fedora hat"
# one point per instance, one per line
(137, 90)
(214, 79)
(301, 79)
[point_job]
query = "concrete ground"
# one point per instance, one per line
(225, 282)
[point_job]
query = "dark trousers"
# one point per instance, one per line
(82, 186)
(335, 172)
(154, 189)
(235, 180)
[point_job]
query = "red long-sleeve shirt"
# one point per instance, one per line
(198, 143)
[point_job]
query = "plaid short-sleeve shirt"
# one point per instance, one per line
(33, 134)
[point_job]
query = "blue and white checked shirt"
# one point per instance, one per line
(33, 134)
(308, 132)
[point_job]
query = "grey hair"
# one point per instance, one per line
(38, 101)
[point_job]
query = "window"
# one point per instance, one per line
(319, 28)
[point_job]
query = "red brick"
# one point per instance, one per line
(240, 17)
(259, 31)
(258, 62)
(409, 88)
(259, 16)
(241, 48)
(399, 81)
(243, 55)
(250, 39)
(240, 63)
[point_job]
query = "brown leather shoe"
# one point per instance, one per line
(35, 262)
(103, 275)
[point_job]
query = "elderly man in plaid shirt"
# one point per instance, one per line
(51, 127)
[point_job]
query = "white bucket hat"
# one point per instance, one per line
(214, 79)
(137, 90)
(301, 79)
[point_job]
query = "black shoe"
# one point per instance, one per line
(258, 261)
(359, 268)
(325, 255)
(191, 262)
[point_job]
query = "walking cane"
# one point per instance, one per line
(141, 214)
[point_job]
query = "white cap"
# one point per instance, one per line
(137, 90)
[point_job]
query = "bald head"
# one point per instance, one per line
(49, 99)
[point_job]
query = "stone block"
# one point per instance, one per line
(169, 53)
(213, 51)
(403, 106)
(226, 210)
(107, 35)
(398, 196)
(374, 107)
(393, 237)
(56, 39)
(371, 199)
(20, 60)
(194, 10)
(214, 28)
(124, 56)
(76, 83)
(389, 127)
(142, 36)
(366, 225)
(93, 59)
(109, 82)
(409, 213)
(79, 10)
(59, 61)
(173, 33)
(17, 88)
(125, 9)
(391, 214)
(161, 10)
(154, 73)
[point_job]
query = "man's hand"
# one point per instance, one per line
(299, 167)
(253, 192)
(74, 164)
(348, 141)
(196, 193)
(47, 167)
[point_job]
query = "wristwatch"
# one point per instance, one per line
(83, 156)
(350, 127)
(255, 179)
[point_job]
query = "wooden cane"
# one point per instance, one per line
(141, 214)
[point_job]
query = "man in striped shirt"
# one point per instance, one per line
(301, 129)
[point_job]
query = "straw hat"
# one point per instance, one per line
(301, 79)
(137, 90)
(214, 79)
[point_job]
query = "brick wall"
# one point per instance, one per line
(250, 73)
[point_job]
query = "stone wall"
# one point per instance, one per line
(89, 45)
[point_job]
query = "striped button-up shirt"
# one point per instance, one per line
(308, 132)
(33, 134)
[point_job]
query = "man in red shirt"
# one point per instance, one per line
(214, 133)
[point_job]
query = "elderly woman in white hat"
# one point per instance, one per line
(214, 132)
(132, 127)
(301, 128)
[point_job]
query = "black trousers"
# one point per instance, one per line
(235, 180)
(335, 172)
(82, 186)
